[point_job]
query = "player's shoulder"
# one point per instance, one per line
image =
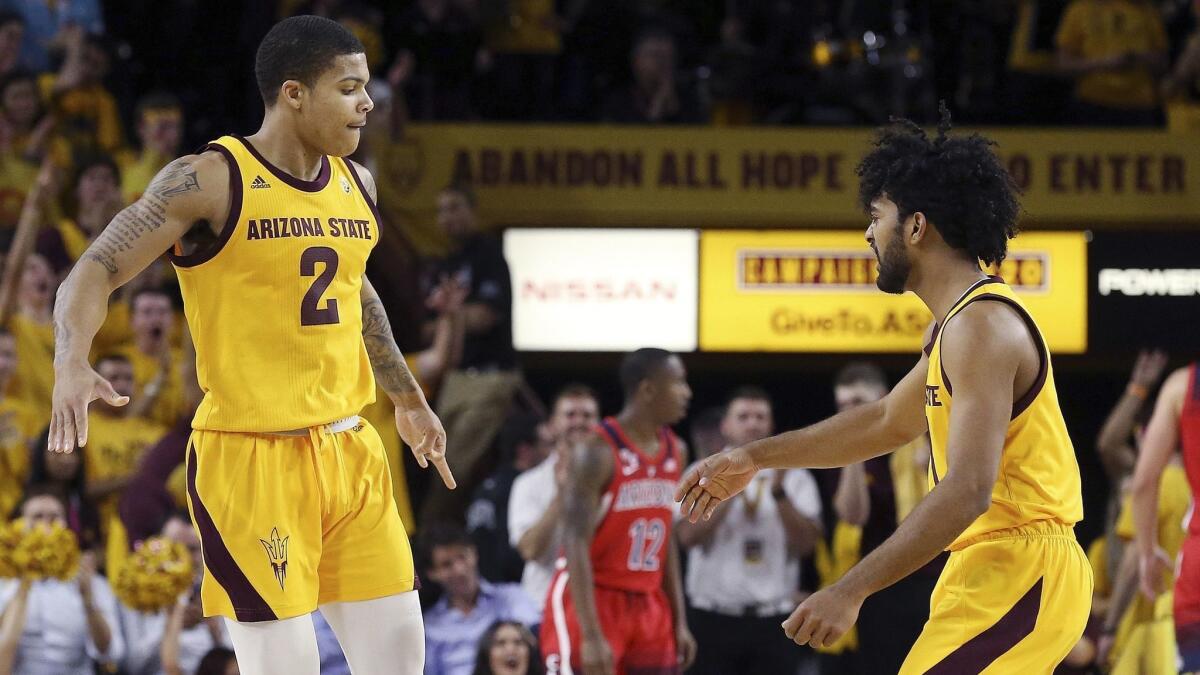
(1176, 385)
(195, 185)
(992, 327)
(364, 177)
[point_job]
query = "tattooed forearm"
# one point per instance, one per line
(391, 371)
(145, 215)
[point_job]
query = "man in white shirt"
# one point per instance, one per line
(53, 627)
(144, 631)
(534, 508)
(744, 562)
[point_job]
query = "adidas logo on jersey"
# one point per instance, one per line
(258, 182)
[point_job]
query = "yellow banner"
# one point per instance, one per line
(815, 292)
(709, 177)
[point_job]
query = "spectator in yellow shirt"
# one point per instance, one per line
(87, 112)
(1116, 50)
(160, 130)
(19, 427)
(156, 370)
(116, 441)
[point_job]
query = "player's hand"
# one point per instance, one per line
(1153, 570)
(597, 657)
(685, 647)
(824, 617)
(1149, 367)
(74, 389)
(713, 481)
(422, 431)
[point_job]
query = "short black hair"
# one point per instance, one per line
(439, 535)
(639, 365)
(114, 357)
(21, 75)
(92, 160)
(300, 48)
(7, 17)
(576, 390)
(748, 392)
(157, 100)
(519, 428)
(149, 290)
(216, 661)
(860, 372)
(958, 182)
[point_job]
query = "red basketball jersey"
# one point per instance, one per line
(629, 548)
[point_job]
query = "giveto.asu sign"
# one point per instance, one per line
(815, 292)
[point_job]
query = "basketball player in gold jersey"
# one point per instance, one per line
(1015, 593)
(288, 488)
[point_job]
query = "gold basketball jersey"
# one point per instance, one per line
(274, 306)
(1039, 477)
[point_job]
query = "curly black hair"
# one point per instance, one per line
(958, 182)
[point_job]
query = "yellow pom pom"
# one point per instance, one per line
(154, 576)
(38, 552)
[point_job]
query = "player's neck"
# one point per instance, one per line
(941, 285)
(282, 147)
(639, 426)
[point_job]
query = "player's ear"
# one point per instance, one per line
(917, 228)
(291, 93)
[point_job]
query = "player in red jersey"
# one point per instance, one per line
(1176, 422)
(615, 605)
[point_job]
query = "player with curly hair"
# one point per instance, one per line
(1016, 590)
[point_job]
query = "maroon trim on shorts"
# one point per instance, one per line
(315, 185)
(231, 221)
(248, 605)
(977, 653)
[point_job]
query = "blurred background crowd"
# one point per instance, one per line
(95, 97)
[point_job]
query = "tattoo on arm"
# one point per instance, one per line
(145, 215)
(386, 360)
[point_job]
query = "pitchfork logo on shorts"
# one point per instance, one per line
(277, 553)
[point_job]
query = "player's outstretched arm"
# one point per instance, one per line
(849, 437)
(1162, 437)
(190, 189)
(415, 420)
(981, 353)
(590, 471)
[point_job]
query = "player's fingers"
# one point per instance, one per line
(712, 507)
(52, 436)
(66, 441)
(419, 452)
(80, 419)
(686, 483)
(793, 622)
(698, 505)
(702, 506)
(810, 626)
(443, 470)
(105, 391)
(689, 501)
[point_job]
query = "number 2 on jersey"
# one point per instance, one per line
(647, 537)
(311, 313)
